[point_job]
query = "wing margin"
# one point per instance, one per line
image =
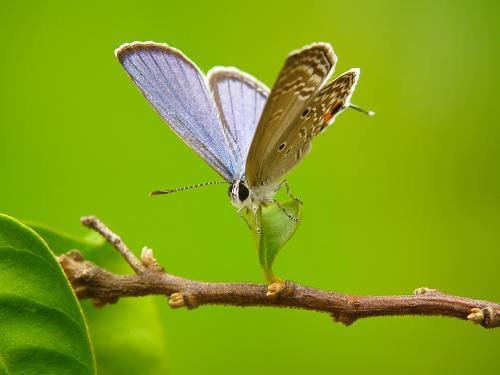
(178, 91)
(240, 99)
(301, 77)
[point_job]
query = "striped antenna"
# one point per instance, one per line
(369, 113)
(161, 192)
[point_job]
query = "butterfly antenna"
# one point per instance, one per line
(161, 192)
(369, 113)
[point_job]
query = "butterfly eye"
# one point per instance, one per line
(305, 113)
(243, 192)
(281, 147)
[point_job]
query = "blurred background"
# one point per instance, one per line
(405, 199)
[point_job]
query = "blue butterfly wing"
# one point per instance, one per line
(240, 99)
(178, 91)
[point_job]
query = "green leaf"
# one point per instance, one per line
(60, 242)
(42, 329)
(276, 229)
(129, 329)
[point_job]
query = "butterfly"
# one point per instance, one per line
(250, 135)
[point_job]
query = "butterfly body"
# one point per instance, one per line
(242, 196)
(250, 135)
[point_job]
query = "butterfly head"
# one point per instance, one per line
(239, 193)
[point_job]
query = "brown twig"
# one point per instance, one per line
(94, 223)
(91, 281)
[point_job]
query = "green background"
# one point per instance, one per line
(405, 199)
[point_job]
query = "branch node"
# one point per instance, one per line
(176, 300)
(488, 317)
(476, 315)
(75, 255)
(426, 291)
(353, 302)
(98, 302)
(185, 299)
(84, 273)
(149, 261)
(76, 269)
(280, 289)
(345, 319)
(88, 220)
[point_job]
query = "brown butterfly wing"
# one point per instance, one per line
(318, 113)
(299, 80)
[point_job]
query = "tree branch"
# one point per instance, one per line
(91, 281)
(94, 223)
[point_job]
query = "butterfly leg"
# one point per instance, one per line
(291, 217)
(288, 191)
(257, 220)
(244, 217)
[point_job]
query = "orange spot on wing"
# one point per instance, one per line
(327, 117)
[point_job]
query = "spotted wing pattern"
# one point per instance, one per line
(318, 113)
(240, 99)
(300, 79)
(178, 91)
